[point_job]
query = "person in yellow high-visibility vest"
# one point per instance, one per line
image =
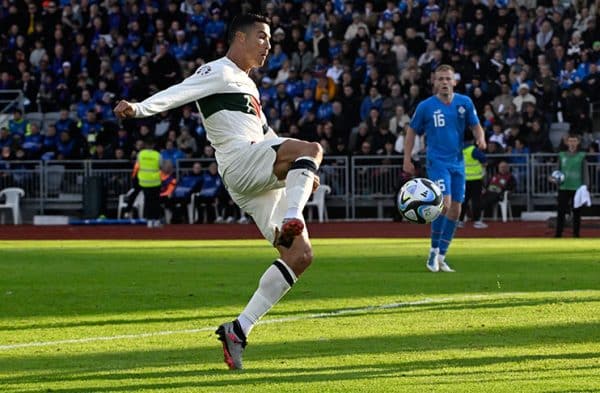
(475, 161)
(149, 180)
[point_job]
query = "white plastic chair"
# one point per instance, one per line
(54, 179)
(138, 204)
(504, 207)
(13, 197)
(318, 201)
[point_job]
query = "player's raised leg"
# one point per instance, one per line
(297, 162)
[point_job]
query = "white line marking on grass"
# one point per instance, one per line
(349, 311)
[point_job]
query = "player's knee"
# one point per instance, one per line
(314, 149)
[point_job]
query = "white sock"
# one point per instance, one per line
(441, 257)
(435, 250)
(274, 283)
(298, 186)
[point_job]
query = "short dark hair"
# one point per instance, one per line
(243, 22)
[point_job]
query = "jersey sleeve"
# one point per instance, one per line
(472, 118)
(204, 82)
(417, 122)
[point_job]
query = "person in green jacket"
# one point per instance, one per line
(571, 164)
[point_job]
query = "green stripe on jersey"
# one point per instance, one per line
(228, 101)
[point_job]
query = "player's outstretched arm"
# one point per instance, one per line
(409, 142)
(204, 82)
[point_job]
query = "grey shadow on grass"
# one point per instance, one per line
(437, 370)
(107, 365)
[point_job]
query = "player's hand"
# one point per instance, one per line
(316, 182)
(124, 110)
(481, 144)
(409, 167)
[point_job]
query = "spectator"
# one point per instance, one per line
(398, 121)
(5, 138)
(373, 101)
(18, 126)
(325, 108)
(518, 157)
(382, 137)
(32, 144)
(67, 148)
(85, 104)
(303, 59)
(501, 102)
(391, 102)
(523, 96)
(168, 181)
(538, 140)
(543, 37)
(186, 186)
(211, 191)
(498, 135)
(475, 161)
(355, 26)
(501, 181)
(171, 152)
(276, 60)
(164, 67)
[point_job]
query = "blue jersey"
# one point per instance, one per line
(444, 126)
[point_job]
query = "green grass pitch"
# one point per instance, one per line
(520, 315)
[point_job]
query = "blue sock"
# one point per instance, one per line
(447, 235)
(437, 227)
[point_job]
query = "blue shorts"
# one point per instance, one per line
(450, 179)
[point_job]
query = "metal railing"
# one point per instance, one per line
(10, 100)
(358, 182)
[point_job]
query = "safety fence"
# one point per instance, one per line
(361, 186)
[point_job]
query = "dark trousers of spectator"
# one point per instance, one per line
(489, 199)
(207, 204)
(473, 194)
(178, 207)
(565, 202)
(151, 202)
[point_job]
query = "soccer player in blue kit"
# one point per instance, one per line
(443, 118)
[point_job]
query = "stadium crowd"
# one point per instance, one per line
(347, 74)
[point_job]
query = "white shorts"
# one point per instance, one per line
(254, 187)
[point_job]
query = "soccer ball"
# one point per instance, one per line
(420, 200)
(558, 176)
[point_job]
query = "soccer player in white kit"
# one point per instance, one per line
(270, 178)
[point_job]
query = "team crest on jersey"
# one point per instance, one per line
(461, 111)
(252, 105)
(204, 70)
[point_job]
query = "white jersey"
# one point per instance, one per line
(228, 102)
